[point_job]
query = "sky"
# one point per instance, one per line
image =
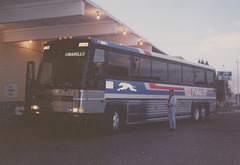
(208, 30)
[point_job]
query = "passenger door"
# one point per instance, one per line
(96, 83)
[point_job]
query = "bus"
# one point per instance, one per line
(87, 79)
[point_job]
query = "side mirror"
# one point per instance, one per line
(30, 74)
(30, 80)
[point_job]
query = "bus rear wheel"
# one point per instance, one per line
(196, 114)
(204, 113)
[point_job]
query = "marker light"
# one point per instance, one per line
(102, 42)
(35, 107)
(60, 38)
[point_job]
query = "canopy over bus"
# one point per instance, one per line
(50, 19)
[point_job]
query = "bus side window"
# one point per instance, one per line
(159, 71)
(199, 76)
(188, 75)
(96, 74)
(145, 69)
(119, 65)
(175, 73)
(135, 66)
(210, 78)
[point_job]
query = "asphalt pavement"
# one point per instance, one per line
(213, 142)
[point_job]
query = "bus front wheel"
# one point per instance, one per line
(112, 122)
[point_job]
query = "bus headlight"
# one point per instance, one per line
(80, 110)
(35, 107)
(75, 110)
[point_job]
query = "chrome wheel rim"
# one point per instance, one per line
(115, 121)
(196, 114)
(204, 113)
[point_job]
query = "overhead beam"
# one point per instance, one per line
(50, 32)
(41, 10)
(146, 46)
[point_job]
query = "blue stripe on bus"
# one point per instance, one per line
(211, 94)
(117, 46)
(126, 87)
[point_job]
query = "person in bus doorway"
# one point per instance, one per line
(19, 109)
(171, 103)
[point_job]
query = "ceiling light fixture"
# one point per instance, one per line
(98, 15)
(124, 31)
(141, 43)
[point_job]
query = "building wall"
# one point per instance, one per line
(13, 61)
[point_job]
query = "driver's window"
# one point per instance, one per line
(99, 56)
(96, 74)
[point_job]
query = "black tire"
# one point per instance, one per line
(196, 113)
(112, 122)
(204, 113)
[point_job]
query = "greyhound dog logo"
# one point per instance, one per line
(125, 86)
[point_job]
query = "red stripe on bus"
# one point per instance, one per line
(154, 86)
(211, 91)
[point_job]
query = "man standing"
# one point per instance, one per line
(171, 102)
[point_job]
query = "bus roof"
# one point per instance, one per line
(144, 52)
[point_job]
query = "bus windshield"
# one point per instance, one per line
(62, 66)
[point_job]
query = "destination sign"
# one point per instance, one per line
(75, 54)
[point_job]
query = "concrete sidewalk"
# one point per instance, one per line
(235, 108)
